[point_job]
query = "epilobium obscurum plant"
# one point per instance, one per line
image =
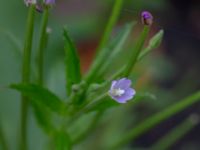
(68, 122)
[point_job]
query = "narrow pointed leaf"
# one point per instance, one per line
(73, 74)
(43, 96)
(117, 45)
(108, 53)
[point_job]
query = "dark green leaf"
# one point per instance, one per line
(38, 94)
(73, 74)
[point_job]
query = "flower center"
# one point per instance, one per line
(117, 92)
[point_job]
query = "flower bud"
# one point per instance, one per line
(49, 2)
(39, 8)
(146, 18)
(30, 2)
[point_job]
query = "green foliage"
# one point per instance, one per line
(3, 142)
(73, 74)
(156, 119)
(136, 51)
(44, 118)
(102, 50)
(43, 96)
(102, 105)
(62, 141)
(115, 47)
(68, 122)
(179, 131)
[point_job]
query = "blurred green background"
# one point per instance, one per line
(171, 72)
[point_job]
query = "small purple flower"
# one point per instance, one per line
(30, 2)
(121, 91)
(147, 18)
(49, 2)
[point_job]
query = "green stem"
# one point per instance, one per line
(175, 134)
(3, 140)
(156, 119)
(111, 23)
(89, 129)
(103, 52)
(42, 44)
(26, 75)
(136, 51)
(85, 108)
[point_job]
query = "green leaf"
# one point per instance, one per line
(117, 45)
(73, 73)
(117, 6)
(109, 52)
(38, 94)
(153, 43)
(62, 141)
(136, 51)
(44, 118)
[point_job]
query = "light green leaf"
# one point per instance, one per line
(44, 97)
(73, 73)
(153, 43)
